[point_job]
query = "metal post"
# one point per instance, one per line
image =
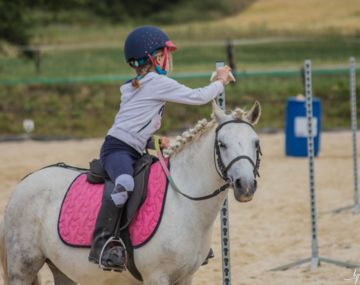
(224, 214)
(37, 60)
(310, 146)
(355, 207)
(230, 50)
(302, 74)
(315, 259)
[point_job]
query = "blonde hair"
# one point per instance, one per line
(146, 68)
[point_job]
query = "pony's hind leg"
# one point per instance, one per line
(23, 270)
(59, 277)
(24, 260)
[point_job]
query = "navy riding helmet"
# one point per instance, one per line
(143, 42)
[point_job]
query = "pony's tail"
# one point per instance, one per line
(3, 259)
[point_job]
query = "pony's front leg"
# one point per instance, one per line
(185, 281)
(164, 280)
(157, 279)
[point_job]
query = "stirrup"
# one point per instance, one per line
(118, 241)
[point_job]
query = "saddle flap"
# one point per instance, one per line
(141, 176)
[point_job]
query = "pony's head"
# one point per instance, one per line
(237, 149)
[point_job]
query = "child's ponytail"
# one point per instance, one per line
(141, 71)
(135, 83)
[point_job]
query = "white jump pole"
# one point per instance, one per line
(355, 207)
(224, 213)
(315, 259)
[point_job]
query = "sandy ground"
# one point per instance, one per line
(269, 231)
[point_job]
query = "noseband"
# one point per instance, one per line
(220, 167)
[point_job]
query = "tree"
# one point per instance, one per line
(119, 10)
(13, 27)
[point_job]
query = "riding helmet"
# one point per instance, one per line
(143, 42)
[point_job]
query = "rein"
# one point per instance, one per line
(219, 166)
(177, 190)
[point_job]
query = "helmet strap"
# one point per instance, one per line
(158, 69)
(165, 58)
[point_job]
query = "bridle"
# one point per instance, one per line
(219, 165)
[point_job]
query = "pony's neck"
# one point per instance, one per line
(193, 170)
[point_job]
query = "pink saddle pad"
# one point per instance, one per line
(82, 203)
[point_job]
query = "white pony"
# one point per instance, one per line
(29, 236)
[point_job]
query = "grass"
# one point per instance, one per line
(299, 17)
(88, 110)
(108, 61)
(263, 18)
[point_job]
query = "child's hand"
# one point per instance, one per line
(224, 75)
(165, 142)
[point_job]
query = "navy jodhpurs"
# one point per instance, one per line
(117, 157)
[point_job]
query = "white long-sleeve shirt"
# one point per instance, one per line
(141, 108)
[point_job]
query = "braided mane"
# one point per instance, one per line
(192, 134)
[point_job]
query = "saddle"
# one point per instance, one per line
(97, 175)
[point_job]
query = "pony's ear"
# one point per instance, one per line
(254, 114)
(217, 113)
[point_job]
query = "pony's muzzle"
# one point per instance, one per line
(244, 190)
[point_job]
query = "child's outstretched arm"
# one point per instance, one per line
(172, 91)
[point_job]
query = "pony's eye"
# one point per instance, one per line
(221, 144)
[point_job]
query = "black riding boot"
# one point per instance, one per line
(111, 250)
